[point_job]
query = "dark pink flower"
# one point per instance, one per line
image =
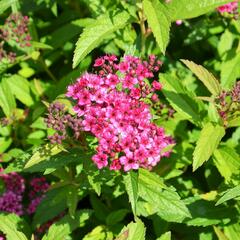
(156, 85)
(99, 62)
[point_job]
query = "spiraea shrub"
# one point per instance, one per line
(119, 120)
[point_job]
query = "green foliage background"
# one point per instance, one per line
(194, 194)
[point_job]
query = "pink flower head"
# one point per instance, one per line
(112, 106)
(101, 160)
(229, 7)
(11, 199)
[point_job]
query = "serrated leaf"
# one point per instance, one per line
(20, 88)
(7, 101)
(56, 161)
(62, 228)
(208, 141)
(227, 162)
(5, 4)
(229, 194)
(99, 233)
(163, 200)
(95, 33)
(134, 230)
(94, 184)
(42, 154)
(131, 185)
(66, 32)
(8, 225)
(184, 9)
(232, 231)
(165, 236)
(183, 101)
(204, 76)
(235, 122)
(220, 234)
(158, 21)
(230, 69)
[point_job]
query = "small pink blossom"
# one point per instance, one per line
(179, 22)
(99, 62)
(156, 85)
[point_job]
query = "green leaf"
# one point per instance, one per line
(220, 234)
(205, 213)
(66, 32)
(20, 87)
(183, 101)
(94, 184)
(133, 231)
(184, 9)
(165, 236)
(158, 21)
(204, 76)
(54, 200)
(232, 231)
(55, 161)
(9, 224)
(95, 33)
(7, 101)
(208, 141)
(229, 194)
(100, 209)
(164, 202)
(5, 4)
(40, 45)
(72, 200)
(26, 72)
(42, 154)
(227, 162)
(235, 122)
(230, 69)
(99, 233)
(116, 216)
(2, 186)
(4, 144)
(226, 42)
(131, 185)
(61, 229)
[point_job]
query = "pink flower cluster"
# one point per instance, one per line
(38, 187)
(114, 105)
(11, 199)
(229, 7)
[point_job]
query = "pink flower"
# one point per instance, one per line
(99, 62)
(179, 22)
(156, 85)
(115, 165)
(100, 159)
(128, 164)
